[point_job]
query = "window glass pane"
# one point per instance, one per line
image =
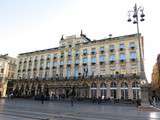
(93, 60)
(85, 51)
(112, 58)
(85, 60)
(121, 46)
(131, 44)
(133, 55)
(122, 56)
(101, 58)
(101, 49)
(111, 47)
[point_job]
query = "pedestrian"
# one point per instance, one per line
(42, 99)
(72, 101)
(138, 102)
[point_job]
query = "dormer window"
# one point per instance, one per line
(48, 57)
(93, 51)
(62, 55)
(55, 56)
(85, 52)
(132, 45)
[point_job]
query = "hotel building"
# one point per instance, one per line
(108, 68)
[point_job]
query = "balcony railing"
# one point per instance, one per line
(133, 59)
(91, 78)
(111, 50)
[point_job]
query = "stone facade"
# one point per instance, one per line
(107, 68)
(155, 83)
(7, 71)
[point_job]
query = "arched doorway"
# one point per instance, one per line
(103, 89)
(93, 90)
(113, 87)
(136, 90)
(124, 90)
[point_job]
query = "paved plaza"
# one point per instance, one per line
(20, 109)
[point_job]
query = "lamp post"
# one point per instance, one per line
(135, 18)
(137, 13)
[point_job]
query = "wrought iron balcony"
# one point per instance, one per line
(121, 49)
(122, 61)
(34, 69)
(93, 63)
(47, 68)
(54, 67)
(111, 50)
(48, 58)
(42, 59)
(132, 47)
(133, 59)
(112, 62)
(41, 68)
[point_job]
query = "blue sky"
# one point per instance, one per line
(28, 25)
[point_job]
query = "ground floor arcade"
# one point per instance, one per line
(118, 89)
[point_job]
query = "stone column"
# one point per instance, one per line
(118, 91)
(144, 95)
(89, 92)
(108, 92)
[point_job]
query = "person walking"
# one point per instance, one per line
(72, 101)
(42, 99)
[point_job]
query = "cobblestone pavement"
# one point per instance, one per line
(20, 109)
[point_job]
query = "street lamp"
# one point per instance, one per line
(137, 16)
(137, 12)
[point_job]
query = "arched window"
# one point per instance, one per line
(113, 84)
(103, 85)
(103, 90)
(136, 90)
(93, 90)
(135, 84)
(124, 90)
(93, 85)
(124, 84)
